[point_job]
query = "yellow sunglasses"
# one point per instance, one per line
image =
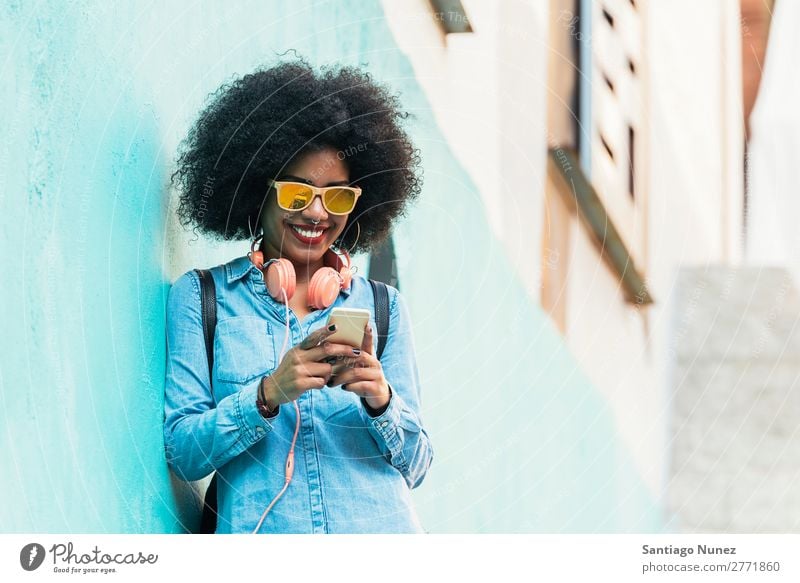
(296, 196)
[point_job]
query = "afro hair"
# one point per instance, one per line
(253, 127)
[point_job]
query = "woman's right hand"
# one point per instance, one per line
(304, 368)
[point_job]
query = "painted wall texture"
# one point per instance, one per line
(734, 466)
(96, 98)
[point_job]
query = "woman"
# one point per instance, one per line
(306, 166)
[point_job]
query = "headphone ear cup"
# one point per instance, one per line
(323, 288)
(347, 277)
(280, 276)
(256, 258)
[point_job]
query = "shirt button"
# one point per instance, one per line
(384, 423)
(259, 430)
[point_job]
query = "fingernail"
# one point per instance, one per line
(332, 327)
(356, 351)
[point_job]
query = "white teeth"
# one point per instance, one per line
(306, 233)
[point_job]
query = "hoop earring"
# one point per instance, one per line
(250, 228)
(340, 241)
(255, 254)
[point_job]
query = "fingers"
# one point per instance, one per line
(334, 364)
(366, 343)
(315, 369)
(338, 368)
(300, 377)
(304, 383)
(329, 349)
(316, 337)
(355, 374)
(362, 389)
(310, 383)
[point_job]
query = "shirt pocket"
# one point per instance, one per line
(244, 349)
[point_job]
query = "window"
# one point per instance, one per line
(611, 94)
(595, 173)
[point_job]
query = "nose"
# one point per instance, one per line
(316, 210)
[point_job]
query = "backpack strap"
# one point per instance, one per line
(208, 303)
(381, 296)
(208, 309)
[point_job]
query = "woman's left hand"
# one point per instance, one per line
(363, 375)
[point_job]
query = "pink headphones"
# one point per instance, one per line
(324, 286)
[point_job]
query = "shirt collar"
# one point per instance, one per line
(238, 268)
(241, 266)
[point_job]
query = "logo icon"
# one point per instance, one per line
(31, 556)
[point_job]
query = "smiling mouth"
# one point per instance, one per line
(308, 235)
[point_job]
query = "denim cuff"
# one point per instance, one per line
(254, 426)
(385, 429)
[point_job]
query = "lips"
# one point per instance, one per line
(302, 233)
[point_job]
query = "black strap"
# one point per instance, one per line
(381, 296)
(381, 301)
(208, 303)
(208, 309)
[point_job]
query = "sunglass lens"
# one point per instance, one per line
(294, 196)
(340, 200)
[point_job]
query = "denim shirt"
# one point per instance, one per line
(353, 472)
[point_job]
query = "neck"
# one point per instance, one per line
(303, 271)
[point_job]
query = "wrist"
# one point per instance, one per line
(377, 406)
(265, 406)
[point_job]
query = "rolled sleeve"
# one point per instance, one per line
(249, 416)
(386, 431)
(398, 430)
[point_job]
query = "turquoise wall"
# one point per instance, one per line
(95, 97)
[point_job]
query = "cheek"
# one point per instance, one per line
(339, 229)
(273, 218)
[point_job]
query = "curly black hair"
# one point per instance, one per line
(256, 125)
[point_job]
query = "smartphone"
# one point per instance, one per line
(350, 325)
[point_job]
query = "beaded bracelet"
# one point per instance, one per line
(261, 404)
